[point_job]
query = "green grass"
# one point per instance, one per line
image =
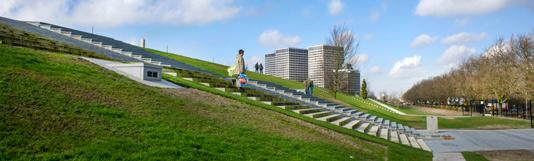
(481, 122)
(57, 107)
(473, 156)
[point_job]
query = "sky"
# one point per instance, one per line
(401, 41)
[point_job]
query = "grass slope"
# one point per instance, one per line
(364, 105)
(473, 156)
(54, 106)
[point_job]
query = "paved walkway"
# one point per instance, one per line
(448, 157)
(483, 140)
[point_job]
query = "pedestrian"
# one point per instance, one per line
(310, 88)
(261, 68)
(238, 68)
(256, 67)
(306, 91)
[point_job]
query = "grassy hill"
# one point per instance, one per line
(361, 104)
(55, 106)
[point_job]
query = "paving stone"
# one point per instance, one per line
(404, 139)
(373, 131)
(384, 133)
(394, 137)
(351, 124)
(338, 122)
(363, 127)
(413, 142)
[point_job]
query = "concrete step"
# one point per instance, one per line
(77, 37)
(363, 127)
(373, 131)
(189, 79)
(318, 114)
(255, 99)
(413, 142)
(404, 139)
(393, 136)
(109, 47)
(329, 117)
(204, 83)
(339, 121)
(384, 133)
(423, 145)
(220, 89)
(351, 124)
(305, 110)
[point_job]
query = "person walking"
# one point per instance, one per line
(256, 67)
(261, 68)
(306, 91)
(238, 68)
(310, 88)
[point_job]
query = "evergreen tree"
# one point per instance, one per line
(363, 92)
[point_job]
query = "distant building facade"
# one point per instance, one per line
(321, 64)
(351, 80)
(288, 63)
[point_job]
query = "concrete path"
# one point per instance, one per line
(388, 107)
(448, 157)
(483, 140)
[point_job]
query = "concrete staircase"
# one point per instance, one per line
(91, 39)
(347, 117)
(319, 109)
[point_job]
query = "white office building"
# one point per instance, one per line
(351, 80)
(321, 63)
(288, 63)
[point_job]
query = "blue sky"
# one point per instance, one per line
(401, 42)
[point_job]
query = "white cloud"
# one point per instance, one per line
(359, 59)
(108, 13)
(274, 39)
(458, 7)
(463, 37)
(461, 22)
(375, 70)
(335, 7)
(422, 40)
(406, 67)
(454, 55)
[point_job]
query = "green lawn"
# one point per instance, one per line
(473, 156)
(481, 122)
(57, 107)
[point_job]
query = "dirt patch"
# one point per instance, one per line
(437, 111)
(508, 155)
(233, 112)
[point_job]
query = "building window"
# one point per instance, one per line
(152, 74)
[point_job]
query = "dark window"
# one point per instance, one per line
(152, 74)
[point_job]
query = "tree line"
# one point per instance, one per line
(505, 71)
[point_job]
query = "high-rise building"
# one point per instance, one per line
(350, 80)
(321, 64)
(288, 63)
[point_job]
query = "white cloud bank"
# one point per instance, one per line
(458, 7)
(454, 55)
(359, 59)
(463, 37)
(109, 13)
(335, 7)
(375, 70)
(422, 40)
(406, 67)
(275, 39)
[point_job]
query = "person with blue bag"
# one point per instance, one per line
(239, 70)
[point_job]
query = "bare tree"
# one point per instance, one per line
(340, 36)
